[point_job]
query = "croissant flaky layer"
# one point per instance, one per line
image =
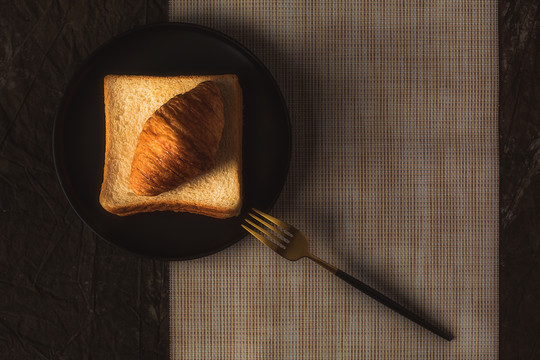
(179, 141)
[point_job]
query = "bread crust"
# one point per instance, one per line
(149, 203)
(216, 212)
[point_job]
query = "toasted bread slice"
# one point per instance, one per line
(129, 101)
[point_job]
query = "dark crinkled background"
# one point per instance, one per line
(519, 149)
(64, 293)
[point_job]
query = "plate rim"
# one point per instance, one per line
(72, 85)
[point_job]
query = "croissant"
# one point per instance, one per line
(179, 141)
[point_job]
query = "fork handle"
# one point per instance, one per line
(383, 299)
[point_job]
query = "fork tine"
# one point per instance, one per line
(268, 233)
(262, 239)
(271, 227)
(291, 229)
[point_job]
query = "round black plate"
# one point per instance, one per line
(170, 49)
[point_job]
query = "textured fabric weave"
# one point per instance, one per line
(394, 178)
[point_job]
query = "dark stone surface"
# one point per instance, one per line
(519, 121)
(64, 293)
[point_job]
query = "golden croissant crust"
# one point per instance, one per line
(179, 141)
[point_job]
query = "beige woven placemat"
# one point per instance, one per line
(394, 177)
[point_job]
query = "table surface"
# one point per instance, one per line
(64, 293)
(519, 147)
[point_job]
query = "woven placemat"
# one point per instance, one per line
(394, 177)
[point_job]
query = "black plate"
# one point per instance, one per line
(170, 49)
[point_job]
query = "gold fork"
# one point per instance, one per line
(292, 244)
